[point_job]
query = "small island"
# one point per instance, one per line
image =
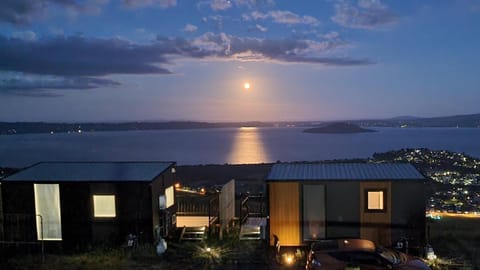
(338, 128)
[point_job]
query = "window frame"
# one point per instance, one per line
(384, 199)
(114, 205)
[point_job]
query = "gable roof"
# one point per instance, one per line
(90, 172)
(343, 171)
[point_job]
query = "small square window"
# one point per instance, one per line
(104, 206)
(375, 200)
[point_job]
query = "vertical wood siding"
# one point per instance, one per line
(285, 213)
(375, 226)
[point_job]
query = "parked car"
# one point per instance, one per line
(358, 254)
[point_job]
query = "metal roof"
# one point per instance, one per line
(344, 171)
(90, 172)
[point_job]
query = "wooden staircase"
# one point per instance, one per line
(192, 234)
(253, 229)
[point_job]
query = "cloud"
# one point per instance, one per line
(282, 17)
(26, 84)
(282, 50)
(215, 20)
(367, 14)
(261, 28)
(190, 28)
(254, 3)
(78, 56)
(22, 12)
(25, 35)
(81, 63)
(220, 4)
(331, 35)
(147, 3)
(94, 57)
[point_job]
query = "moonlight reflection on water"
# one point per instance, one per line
(248, 147)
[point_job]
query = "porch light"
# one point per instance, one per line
(288, 258)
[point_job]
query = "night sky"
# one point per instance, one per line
(100, 60)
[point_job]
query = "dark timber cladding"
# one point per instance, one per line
(131, 188)
(309, 201)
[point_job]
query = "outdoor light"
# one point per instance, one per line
(430, 253)
(212, 254)
(288, 258)
(177, 185)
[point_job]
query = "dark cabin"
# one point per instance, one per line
(380, 202)
(78, 204)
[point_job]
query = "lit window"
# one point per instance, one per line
(169, 196)
(104, 205)
(47, 210)
(375, 200)
(168, 199)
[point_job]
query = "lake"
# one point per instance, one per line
(227, 145)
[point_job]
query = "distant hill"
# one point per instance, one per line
(467, 120)
(405, 117)
(471, 120)
(338, 128)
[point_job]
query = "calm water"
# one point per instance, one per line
(229, 145)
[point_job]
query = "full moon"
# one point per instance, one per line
(246, 86)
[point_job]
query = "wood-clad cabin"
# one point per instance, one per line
(311, 201)
(85, 203)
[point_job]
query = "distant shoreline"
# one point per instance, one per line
(12, 128)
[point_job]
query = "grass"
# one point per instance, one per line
(143, 257)
(209, 254)
(456, 239)
(107, 260)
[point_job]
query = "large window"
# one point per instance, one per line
(313, 211)
(47, 209)
(168, 199)
(104, 206)
(169, 196)
(375, 200)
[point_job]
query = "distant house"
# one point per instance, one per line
(380, 202)
(83, 203)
